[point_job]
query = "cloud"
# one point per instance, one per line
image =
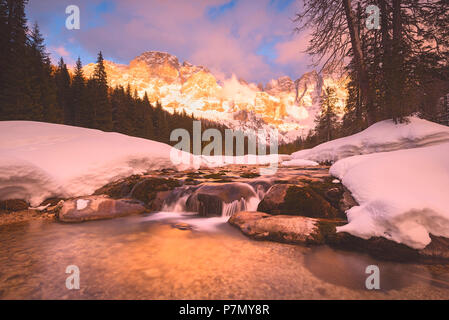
(56, 52)
(292, 51)
(62, 52)
(222, 35)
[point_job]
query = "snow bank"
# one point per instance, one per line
(380, 137)
(299, 163)
(403, 195)
(40, 160)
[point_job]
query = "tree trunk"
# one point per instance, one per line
(362, 72)
(386, 59)
(397, 101)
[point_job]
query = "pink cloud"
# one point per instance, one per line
(61, 51)
(292, 51)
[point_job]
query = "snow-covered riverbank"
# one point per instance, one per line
(399, 174)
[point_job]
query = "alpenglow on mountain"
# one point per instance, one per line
(283, 104)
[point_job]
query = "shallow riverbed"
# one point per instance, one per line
(144, 257)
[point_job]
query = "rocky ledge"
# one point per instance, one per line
(284, 228)
(98, 207)
(315, 231)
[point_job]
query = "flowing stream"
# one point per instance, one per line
(149, 257)
(175, 254)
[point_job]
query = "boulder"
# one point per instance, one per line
(299, 200)
(98, 207)
(209, 198)
(147, 189)
(120, 188)
(150, 190)
(329, 190)
(284, 228)
(158, 201)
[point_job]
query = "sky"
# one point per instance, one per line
(252, 39)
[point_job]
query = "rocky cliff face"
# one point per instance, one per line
(283, 104)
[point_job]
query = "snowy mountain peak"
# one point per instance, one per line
(282, 84)
(284, 104)
(154, 58)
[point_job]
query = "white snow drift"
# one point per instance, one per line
(403, 195)
(380, 137)
(40, 160)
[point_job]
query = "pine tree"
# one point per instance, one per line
(89, 116)
(327, 120)
(160, 124)
(148, 130)
(117, 108)
(4, 41)
(15, 99)
(98, 86)
(78, 97)
(129, 109)
(137, 111)
(62, 79)
(42, 85)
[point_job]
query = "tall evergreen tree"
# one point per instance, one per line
(15, 99)
(62, 79)
(42, 85)
(117, 109)
(78, 95)
(327, 120)
(98, 86)
(4, 40)
(160, 124)
(130, 111)
(148, 129)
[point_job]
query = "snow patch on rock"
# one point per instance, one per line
(81, 204)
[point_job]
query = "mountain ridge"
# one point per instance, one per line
(290, 106)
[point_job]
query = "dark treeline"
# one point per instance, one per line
(31, 88)
(396, 68)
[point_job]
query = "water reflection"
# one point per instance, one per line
(348, 269)
(141, 258)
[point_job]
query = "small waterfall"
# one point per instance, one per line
(228, 209)
(240, 205)
(260, 191)
(184, 199)
(178, 206)
(176, 201)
